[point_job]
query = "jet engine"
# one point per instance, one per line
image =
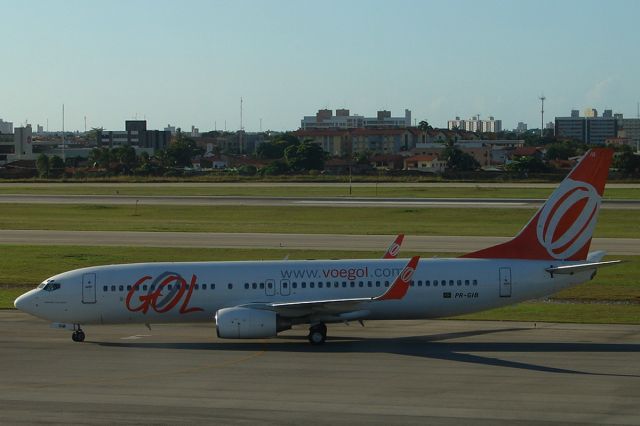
(248, 323)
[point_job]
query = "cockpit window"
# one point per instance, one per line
(51, 286)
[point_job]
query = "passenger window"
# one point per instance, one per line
(212, 286)
(246, 286)
(230, 286)
(320, 285)
(128, 288)
(311, 285)
(427, 283)
(262, 286)
(113, 288)
(105, 288)
(435, 283)
(153, 287)
(303, 285)
(475, 282)
(294, 285)
(144, 287)
(285, 285)
(121, 288)
(459, 282)
(344, 284)
(204, 286)
(254, 286)
(360, 284)
(377, 283)
(352, 284)
(386, 283)
(450, 282)
(466, 282)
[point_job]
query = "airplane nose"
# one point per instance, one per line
(19, 302)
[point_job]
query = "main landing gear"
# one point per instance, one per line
(78, 334)
(317, 334)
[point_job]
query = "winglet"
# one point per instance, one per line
(394, 248)
(401, 284)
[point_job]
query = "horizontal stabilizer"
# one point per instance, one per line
(570, 269)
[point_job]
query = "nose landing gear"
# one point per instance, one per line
(78, 334)
(318, 334)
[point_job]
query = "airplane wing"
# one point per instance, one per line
(342, 309)
(570, 269)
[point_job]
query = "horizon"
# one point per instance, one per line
(190, 63)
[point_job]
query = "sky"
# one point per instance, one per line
(189, 62)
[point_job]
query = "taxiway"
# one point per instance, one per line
(403, 372)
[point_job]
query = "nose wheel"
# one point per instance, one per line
(78, 335)
(317, 334)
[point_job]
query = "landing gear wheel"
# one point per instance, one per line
(318, 334)
(78, 336)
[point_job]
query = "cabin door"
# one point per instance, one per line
(505, 282)
(89, 288)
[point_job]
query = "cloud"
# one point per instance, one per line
(598, 92)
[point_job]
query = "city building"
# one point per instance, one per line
(136, 135)
(475, 124)
(629, 128)
(6, 127)
(336, 142)
(592, 129)
(521, 128)
(171, 129)
(425, 163)
(325, 119)
(18, 146)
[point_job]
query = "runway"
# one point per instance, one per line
(426, 244)
(295, 201)
(404, 372)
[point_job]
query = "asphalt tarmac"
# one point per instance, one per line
(404, 372)
(295, 201)
(425, 244)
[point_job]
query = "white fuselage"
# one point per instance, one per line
(187, 292)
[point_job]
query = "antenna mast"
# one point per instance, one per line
(64, 158)
(542, 98)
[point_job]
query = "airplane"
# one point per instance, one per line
(259, 299)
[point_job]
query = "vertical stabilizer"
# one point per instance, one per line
(563, 227)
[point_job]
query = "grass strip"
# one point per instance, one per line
(286, 219)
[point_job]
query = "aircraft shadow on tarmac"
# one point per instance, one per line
(428, 346)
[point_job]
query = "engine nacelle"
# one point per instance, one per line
(247, 323)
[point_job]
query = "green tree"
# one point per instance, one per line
(92, 135)
(126, 157)
(527, 165)
(42, 164)
(247, 170)
(305, 156)
(276, 148)
(277, 167)
(180, 152)
(459, 160)
(424, 125)
(56, 166)
(627, 162)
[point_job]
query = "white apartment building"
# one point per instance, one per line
(474, 124)
(325, 119)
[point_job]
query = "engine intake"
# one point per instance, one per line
(248, 323)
